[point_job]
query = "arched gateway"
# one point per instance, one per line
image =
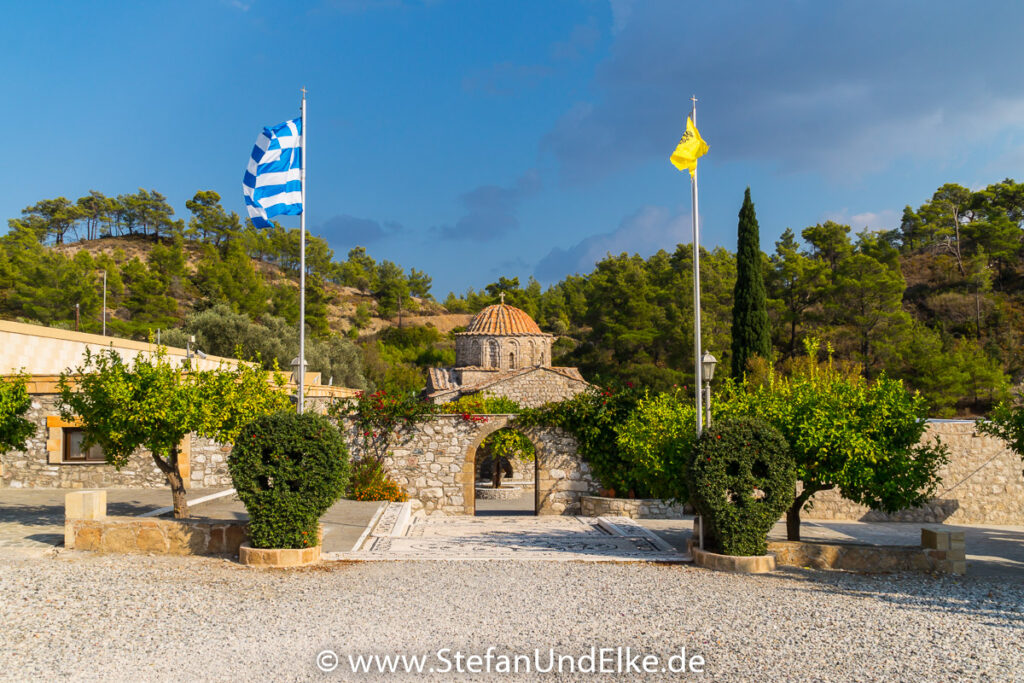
(435, 461)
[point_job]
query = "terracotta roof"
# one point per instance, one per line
(441, 379)
(502, 319)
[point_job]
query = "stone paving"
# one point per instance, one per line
(399, 536)
(34, 519)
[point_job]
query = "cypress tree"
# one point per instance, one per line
(750, 335)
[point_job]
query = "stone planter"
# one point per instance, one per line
(278, 557)
(740, 564)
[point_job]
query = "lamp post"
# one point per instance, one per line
(708, 363)
(299, 375)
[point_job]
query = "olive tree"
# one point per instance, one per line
(154, 403)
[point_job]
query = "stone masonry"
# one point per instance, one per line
(41, 464)
(983, 483)
(436, 463)
(634, 508)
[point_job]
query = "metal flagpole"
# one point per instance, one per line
(698, 383)
(302, 266)
(104, 303)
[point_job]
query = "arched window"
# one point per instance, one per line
(512, 360)
(494, 360)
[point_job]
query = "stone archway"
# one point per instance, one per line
(435, 461)
(561, 476)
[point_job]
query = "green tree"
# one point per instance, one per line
(501, 448)
(232, 280)
(865, 303)
(846, 433)
(657, 439)
(210, 222)
(419, 284)
(829, 242)
(96, 211)
(359, 271)
(53, 218)
(15, 430)
(154, 403)
(750, 333)
(795, 284)
(392, 290)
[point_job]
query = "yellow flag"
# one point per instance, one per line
(690, 147)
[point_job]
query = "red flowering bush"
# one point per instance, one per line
(381, 417)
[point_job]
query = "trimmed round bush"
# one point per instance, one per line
(742, 479)
(288, 469)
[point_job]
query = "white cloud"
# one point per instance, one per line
(885, 219)
(644, 232)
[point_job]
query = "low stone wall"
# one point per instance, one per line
(983, 483)
(150, 535)
(635, 508)
(940, 551)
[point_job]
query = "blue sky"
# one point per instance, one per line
(475, 139)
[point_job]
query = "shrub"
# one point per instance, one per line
(481, 404)
(15, 430)
(288, 469)
(594, 417)
(741, 480)
(371, 482)
(657, 440)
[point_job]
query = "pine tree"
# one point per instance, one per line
(750, 334)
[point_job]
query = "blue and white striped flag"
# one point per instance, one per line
(273, 179)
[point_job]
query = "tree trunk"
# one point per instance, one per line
(178, 492)
(793, 513)
(178, 495)
(496, 476)
(793, 521)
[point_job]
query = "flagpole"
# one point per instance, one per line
(302, 267)
(697, 371)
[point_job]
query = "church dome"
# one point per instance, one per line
(502, 319)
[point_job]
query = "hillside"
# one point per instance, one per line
(342, 302)
(937, 301)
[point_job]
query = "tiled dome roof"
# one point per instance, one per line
(502, 319)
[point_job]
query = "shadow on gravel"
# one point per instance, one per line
(547, 540)
(923, 592)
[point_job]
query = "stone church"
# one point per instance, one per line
(502, 352)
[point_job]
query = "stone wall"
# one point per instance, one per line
(150, 535)
(534, 389)
(502, 352)
(435, 461)
(635, 508)
(983, 483)
(41, 466)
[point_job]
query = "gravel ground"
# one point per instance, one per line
(140, 618)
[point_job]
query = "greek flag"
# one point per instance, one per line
(273, 180)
